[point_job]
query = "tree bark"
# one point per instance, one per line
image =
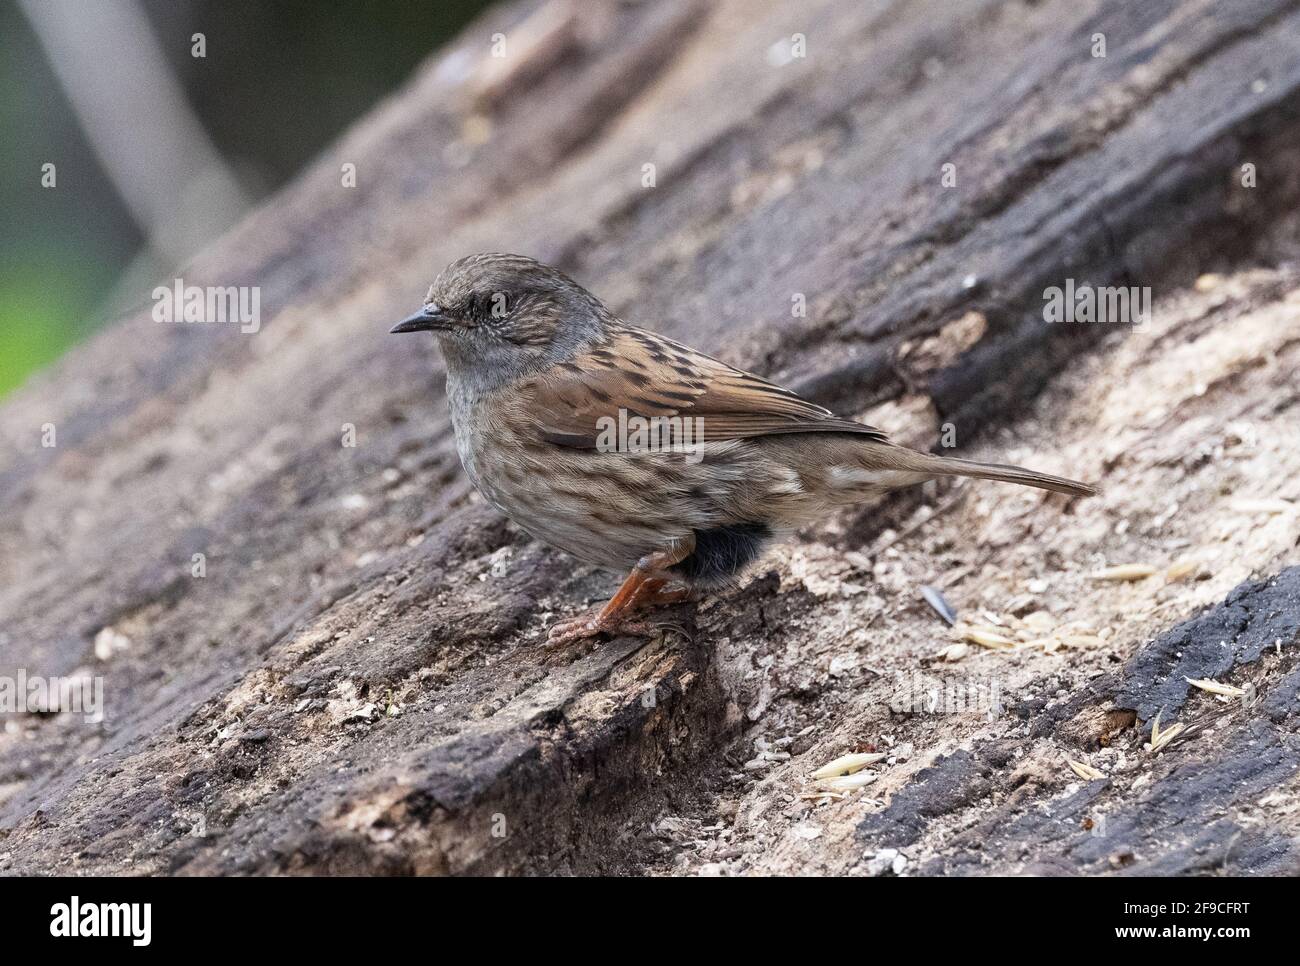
(356, 683)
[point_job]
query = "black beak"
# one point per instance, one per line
(429, 318)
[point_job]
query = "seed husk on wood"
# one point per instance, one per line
(845, 784)
(1039, 620)
(1084, 770)
(984, 637)
(1262, 506)
(953, 652)
(1161, 738)
(1214, 687)
(848, 764)
(1123, 573)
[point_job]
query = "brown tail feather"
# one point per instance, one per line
(951, 466)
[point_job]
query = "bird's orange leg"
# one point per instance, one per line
(647, 585)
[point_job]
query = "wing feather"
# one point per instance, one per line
(650, 376)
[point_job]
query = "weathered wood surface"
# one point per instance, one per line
(357, 684)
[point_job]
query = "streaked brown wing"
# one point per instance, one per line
(648, 375)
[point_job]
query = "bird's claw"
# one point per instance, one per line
(592, 625)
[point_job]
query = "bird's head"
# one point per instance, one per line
(506, 315)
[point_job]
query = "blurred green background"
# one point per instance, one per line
(278, 83)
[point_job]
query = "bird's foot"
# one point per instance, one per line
(639, 591)
(592, 624)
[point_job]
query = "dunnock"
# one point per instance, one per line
(631, 451)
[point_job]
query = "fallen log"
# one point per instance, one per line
(352, 681)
